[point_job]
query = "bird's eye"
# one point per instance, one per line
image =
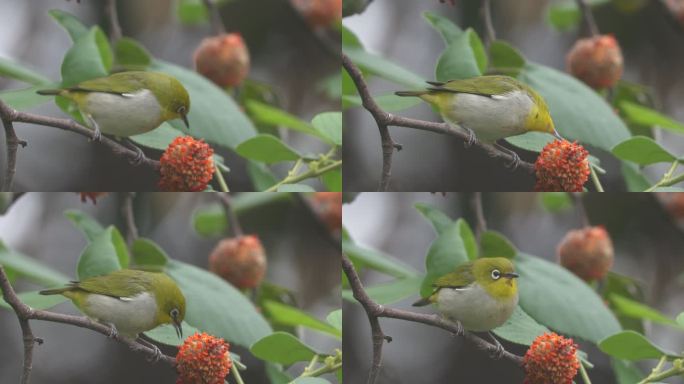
(496, 274)
(174, 313)
(181, 110)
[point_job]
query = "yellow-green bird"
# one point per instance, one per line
(128, 103)
(129, 301)
(481, 295)
(489, 108)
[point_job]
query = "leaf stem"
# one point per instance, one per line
(595, 179)
(236, 373)
(657, 376)
(585, 375)
(667, 179)
(312, 172)
(220, 179)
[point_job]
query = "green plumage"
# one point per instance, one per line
(121, 283)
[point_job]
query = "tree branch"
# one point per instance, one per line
(581, 209)
(112, 16)
(129, 217)
(490, 34)
(224, 199)
(13, 143)
(480, 222)
(9, 114)
(25, 313)
(588, 17)
(217, 26)
(374, 311)
(384, 120)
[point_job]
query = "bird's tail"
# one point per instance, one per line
(49, 92)
(410, 93)
(422, 302)
(56, 291)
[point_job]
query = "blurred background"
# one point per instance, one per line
(651, 41)
(286, 55)
(300, 257)
(648, 241)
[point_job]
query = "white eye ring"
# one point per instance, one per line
(496, 274)
(174, 313)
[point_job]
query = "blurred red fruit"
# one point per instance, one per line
(240, 260)
(223, 59)
(597, 61)
(587, 252)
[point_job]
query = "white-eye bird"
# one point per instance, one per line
(480, 295)
(129, 301)
(128, 103)
(489, 108)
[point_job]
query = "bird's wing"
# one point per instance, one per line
(119, 84)
(484, 86)
(459, 278)
(116, 284)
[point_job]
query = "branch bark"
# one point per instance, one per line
(25, 314)
(588, 17)
(234, 223)
(480, 222)
(374, 311)
(490, 34)
(112, 16)
(129, 217)
(217, 26)
(12, 142)
(384, 120)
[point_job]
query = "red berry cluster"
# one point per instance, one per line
(203, 359)
(187, 165)
(562, 166)
(551, 359)
(240, 260)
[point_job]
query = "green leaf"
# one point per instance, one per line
(444, 26)
(81, 220)
(642, 150)
(22, 99)
(214, 116)
(29, 268)
(520, 328)
(74, 27)
(349, 39)
(459, 60)
(376, 260)
(384, 68)
(390, 292)
(329, 125)
(634, 179)
(270, 115)
(333, 180)
(166, 334)
(578, 112)
(295, 188)
(552, 295)
(282, 348)
(211, 220)
(192, 12)
(631, 308)
(445, 254)
(216, 307)
(626, 372)
(494, 244)
(440, 221)
(261, 176)
(9, 68)
(505, 56)
(334, 318)
(35, 300)
(389, 102)
(310, 380)
(158, 138)
(90, 57)
(478, 50)
(147, 252)
(287, 315)
(555, 201)
(100, 256)
(131, 54)
(639, 114)
(267, 149)
(276, 375)
(630, 345)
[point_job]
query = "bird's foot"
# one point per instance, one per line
(113, 332)
(515, 159)
(142, 343)
(139, 154)
(498, 352)
(471, 139)
(97, 135)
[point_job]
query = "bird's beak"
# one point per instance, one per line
(185, 120)
(179, 328)
(558, 136)
(511, 275)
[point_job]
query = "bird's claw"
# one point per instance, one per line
(514, 163)
(97, 135)
(113, 332)
(139, 156)
(471, 139)
(156, 356)
(497, 353)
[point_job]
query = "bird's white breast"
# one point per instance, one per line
(474, 307)
(491, 118)
(124, 115)
(131, 316)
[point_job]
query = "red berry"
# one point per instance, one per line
(223, 59)
(328, 206)
(551, 359)
(92, 196)
(203, 359)
(320, 13)
(587, 252)
(562, 166)
(240, 260)
(673, 203)
(597, 61)
(187, 165)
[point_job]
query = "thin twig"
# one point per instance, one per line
(480, 222)
(25, 313)
(588, 17)
(129, 217)
(490, 34)
(112, 16)
(217, 26)
(581, 209)
(384, 120)
(13, 143)
(234, 223)
(374, 311)
(70, 125)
